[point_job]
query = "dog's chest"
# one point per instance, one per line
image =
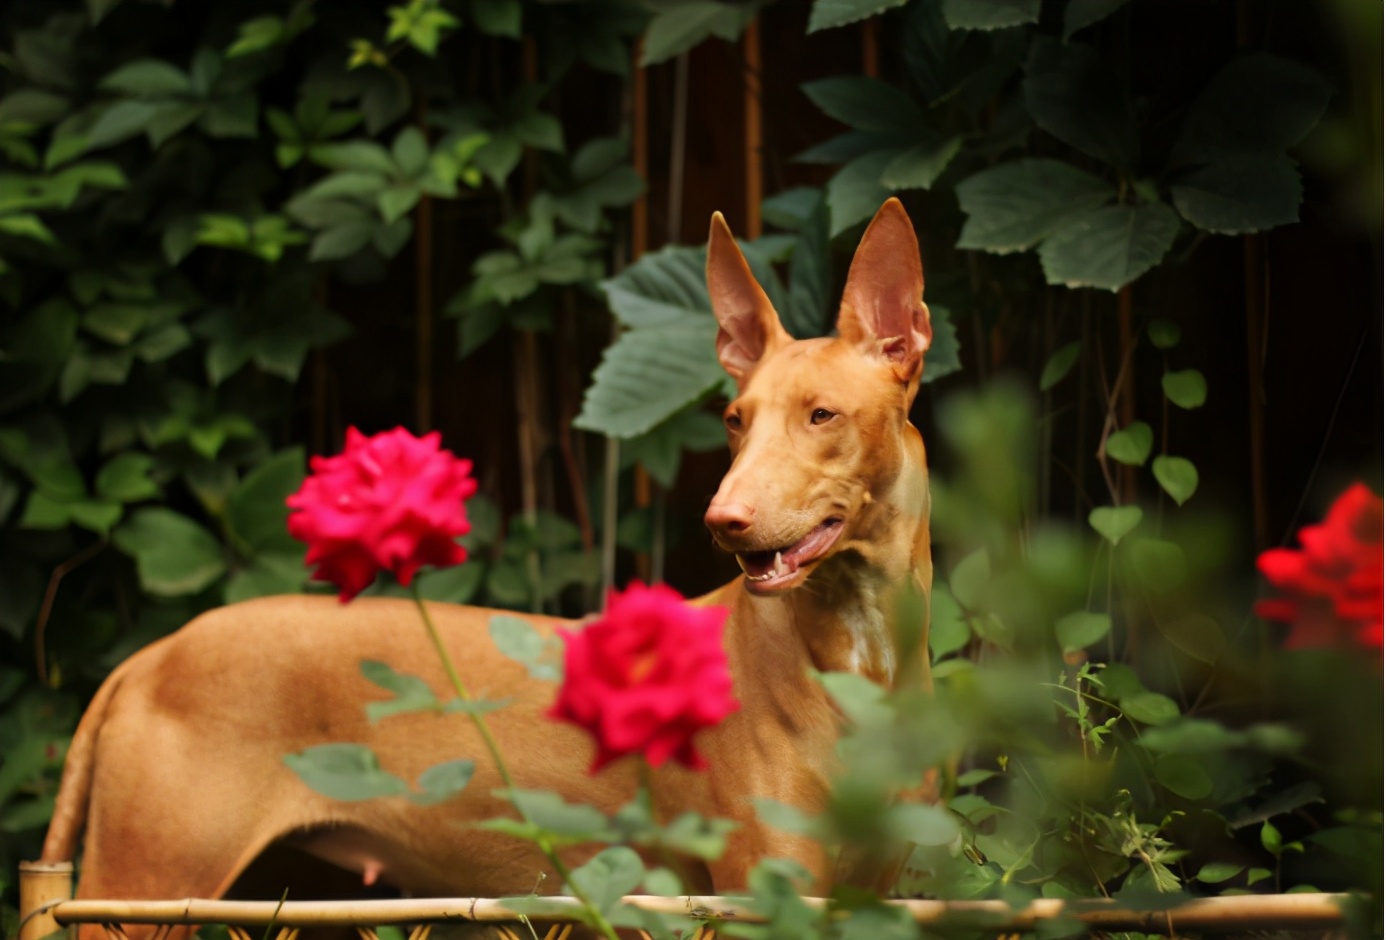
(869, 650)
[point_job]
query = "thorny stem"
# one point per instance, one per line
(545, 846)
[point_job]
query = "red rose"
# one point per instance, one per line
(392, 502)
(1333, 584)
(647, 676)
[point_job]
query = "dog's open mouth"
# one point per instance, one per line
(778, 569)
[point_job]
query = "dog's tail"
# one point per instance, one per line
(74, 793)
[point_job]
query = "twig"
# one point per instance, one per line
(51, 595)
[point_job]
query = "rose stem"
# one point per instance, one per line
(542, 841)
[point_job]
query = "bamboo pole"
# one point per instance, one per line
(1275, 911)
(41, 885)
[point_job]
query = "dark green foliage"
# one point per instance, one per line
(178, 187)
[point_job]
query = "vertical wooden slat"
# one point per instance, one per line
(871, 47)
(755, 167)
(423, 301)
(1126, 368)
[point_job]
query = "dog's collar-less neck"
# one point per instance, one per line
(845, 612)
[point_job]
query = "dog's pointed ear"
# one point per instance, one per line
(883, 309)
(748, 325)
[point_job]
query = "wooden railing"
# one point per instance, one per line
(1218, 916)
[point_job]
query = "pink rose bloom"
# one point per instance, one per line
(392, 502)
(646, 677)
(1332, 586)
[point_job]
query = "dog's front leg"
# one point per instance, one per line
(753, 841)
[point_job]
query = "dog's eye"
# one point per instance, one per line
(732, 420)
(821, 416)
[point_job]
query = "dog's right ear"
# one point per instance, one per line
(749, 326)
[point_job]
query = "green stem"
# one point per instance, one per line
(545, 846)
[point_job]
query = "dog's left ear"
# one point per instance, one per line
(883, 309)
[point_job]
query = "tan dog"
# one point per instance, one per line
(176, 771)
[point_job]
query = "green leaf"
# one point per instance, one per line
(948, 629)
(923, 824)
(33, 106)
(1184, 776)
(664, 883)
(517, 639)
(27, 225)
(174, 555)
(456, 585)
(347, 772)
(1131, 445)
(152, 78)
(125, 478)
(116, 323)
(990, 14)
(98, 515)
(256, 511)
(396, 201)
(1217, 872)
(411, 694)
(341, 241)
(855, 192)
(365, 156)
(943, 357)
(1081, 629)
(867, 104)
(443, 781)
(660, 450)
(256, 35)
(498, 17)
(827, 14)
(236, 116)
(971, 580)
(1271, 839)
(1177, 477)
(1013, 206)
(1164, 334)
(42, 511)
(1197, 635)
(1258, 103)
(410, 152)
(650, 374)
(267, 574)
(1115, 522)
(860, 699)
(1150, 708)
(1080, 14)
(163, 342)
(119, 121)
(677, 28)
(921, 165)
(1156, 566)
(610, 875)
(1241, 193)
(1072, 93)
(1187, 388)
(551, 814)
(1108, 247)
(1059, 365)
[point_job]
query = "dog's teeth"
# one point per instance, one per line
(742, 562)
(779, 564)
